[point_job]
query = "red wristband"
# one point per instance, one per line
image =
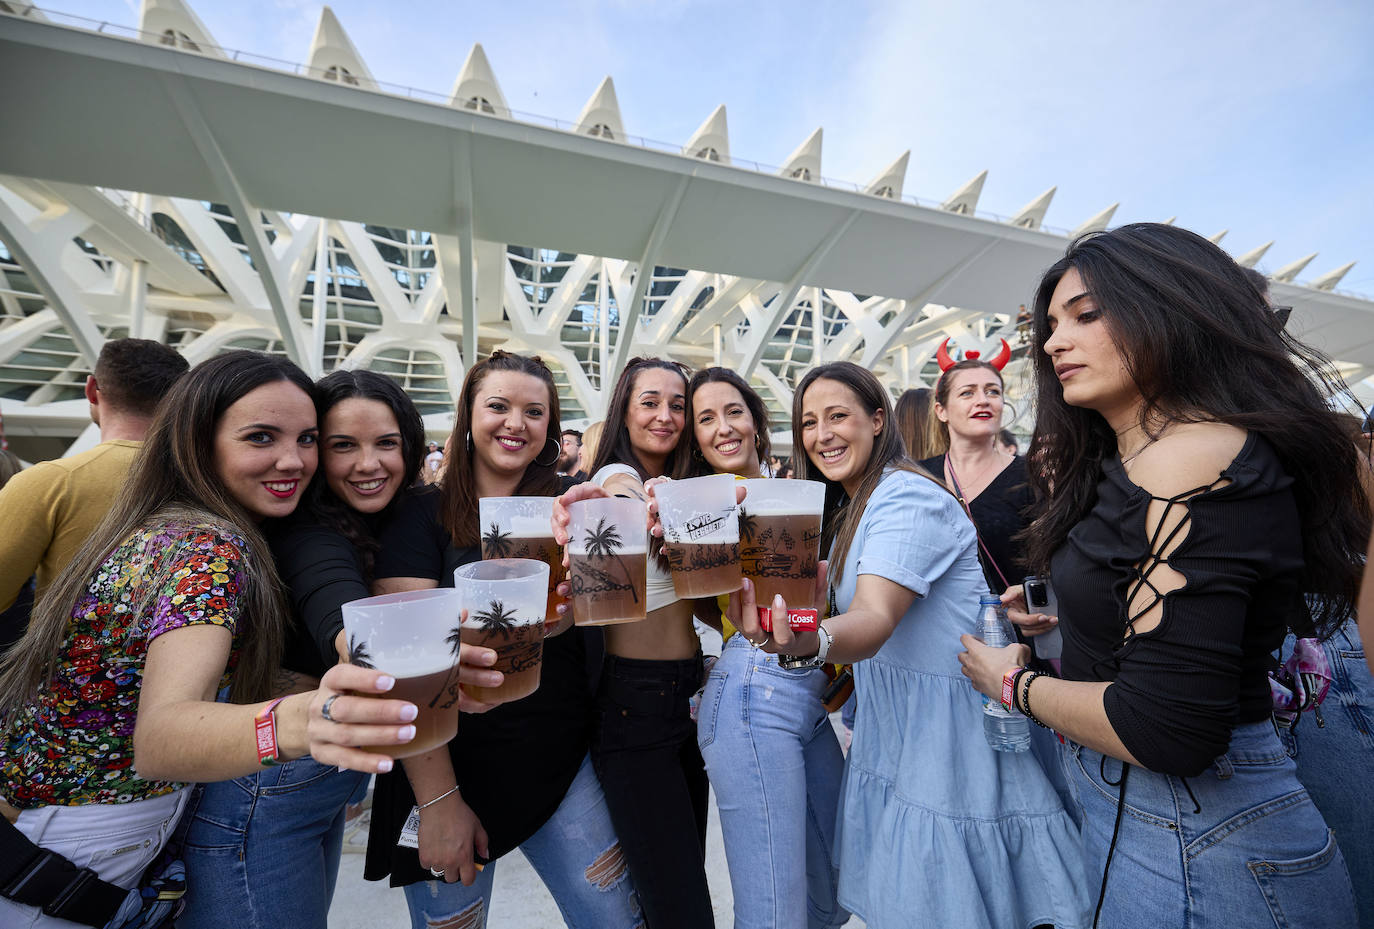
(265, 725)
(1009, 689)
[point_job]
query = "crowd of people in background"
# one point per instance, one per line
(180, 706)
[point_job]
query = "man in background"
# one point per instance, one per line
(49, 510)
(570, 447)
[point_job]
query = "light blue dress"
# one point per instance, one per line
(936, 828)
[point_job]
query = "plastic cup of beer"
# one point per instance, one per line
(414, 637)
(608, 548)
(780, 546)
(701, 529)
(504, 599)
(520, 527)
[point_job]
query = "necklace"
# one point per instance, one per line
(954, 476)
(1133, 455)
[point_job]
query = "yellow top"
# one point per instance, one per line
(52, 508)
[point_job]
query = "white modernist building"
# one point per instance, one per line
(164, 187)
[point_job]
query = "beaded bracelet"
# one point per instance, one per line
(1024, 699)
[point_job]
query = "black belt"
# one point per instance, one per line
(37, 877)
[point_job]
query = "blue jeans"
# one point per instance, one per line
(263, 851)
(1335, 759)
(575, 854)
(1239, 845)
(776, 766)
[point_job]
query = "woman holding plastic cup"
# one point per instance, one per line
(935, 822)
(759, 722)
(518, 775)
(370, 447)
(109, 700)
(644, 747)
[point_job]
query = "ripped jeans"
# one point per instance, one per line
(592, 888)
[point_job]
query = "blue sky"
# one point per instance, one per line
(1256, 117)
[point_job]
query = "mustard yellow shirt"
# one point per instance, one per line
(48, 511)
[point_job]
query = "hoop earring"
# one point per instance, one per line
(556, 451)
(469, 440)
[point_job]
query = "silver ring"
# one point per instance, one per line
(437, 872)
(329, 702)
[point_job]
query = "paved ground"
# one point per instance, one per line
(519, 900)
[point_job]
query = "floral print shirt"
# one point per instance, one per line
(73, 743)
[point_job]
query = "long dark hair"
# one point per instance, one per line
(320, 502)
(615, 447)
(174, 481)
(889, 451)
(458, 507)
(1199, 341)
(692, 464)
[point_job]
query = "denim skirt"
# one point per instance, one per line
(1239, 845)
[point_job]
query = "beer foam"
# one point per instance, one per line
(777, 508)
(527, 526)
(412, 662)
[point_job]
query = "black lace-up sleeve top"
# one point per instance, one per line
(1178, 689)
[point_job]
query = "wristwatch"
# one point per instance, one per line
(796, 663)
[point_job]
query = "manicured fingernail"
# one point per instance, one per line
(405, 733)
(384, 765)
(409, 712)
(777, 601)
(386, 682)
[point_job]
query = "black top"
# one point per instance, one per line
(1181, 687)
(514, 763)
(321, 572)
(999, 513)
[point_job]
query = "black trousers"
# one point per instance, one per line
(645, 752)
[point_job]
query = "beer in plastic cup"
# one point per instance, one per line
(520, 527)
(701, 529)
(505, 600)
(780, 546)
(608, 547)
(414, 637)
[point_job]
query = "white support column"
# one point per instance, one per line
(784, 300)
(319, 309)
(467, 278)
(47, 276)
(629, 316)
(247, 216)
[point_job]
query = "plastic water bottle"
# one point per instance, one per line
(1006, 730)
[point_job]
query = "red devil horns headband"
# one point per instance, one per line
(998, 361)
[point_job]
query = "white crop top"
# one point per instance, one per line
(658, 583)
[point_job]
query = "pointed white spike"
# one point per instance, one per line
(333, 55)
(1216, 239)
(711, 141)
(965, 199)
(1330, 279)
(477, 87)
(601, 115)
(1170, 221)
(889, 182)
(173, 22)
(1033, 213)
(1288, 272)
(1252, 257)
(1097, 224)
(805, 163)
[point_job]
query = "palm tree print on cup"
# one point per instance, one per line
(606, 575)
(358, 654)
(519, 645)
(496, 544)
